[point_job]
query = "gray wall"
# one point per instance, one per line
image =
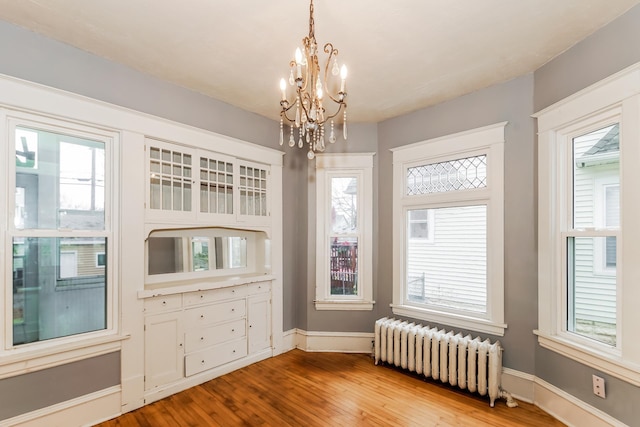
(604, 53)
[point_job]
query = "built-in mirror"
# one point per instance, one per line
(213, 251)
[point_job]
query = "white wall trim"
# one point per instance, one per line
(336, 342)
(569, 409)
(84, 411)
(520, 384)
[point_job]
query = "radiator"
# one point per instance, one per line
(468, 363)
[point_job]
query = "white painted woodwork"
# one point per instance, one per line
(163, 349)
(259, 313)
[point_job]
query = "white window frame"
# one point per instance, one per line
(329, 166)
(616, 98)
(16, 359)
(488, 140)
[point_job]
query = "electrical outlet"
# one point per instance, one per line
(598, 386)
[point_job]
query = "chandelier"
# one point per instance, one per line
(307, 111)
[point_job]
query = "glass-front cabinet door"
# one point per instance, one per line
(170, 177)
(253, 180)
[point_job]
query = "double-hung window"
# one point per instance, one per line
(344, 189)
(448, 230)
(59, 245)
(588, 230)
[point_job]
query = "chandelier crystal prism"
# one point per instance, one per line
(312, 90)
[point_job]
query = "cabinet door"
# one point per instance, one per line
(163, 349)
(259, 322)
(170, 181)
(253, 192)
(216, 186)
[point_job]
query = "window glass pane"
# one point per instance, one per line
(591, 296)
(344, 265)
(200, 253)
(57, 288)
(450, 271)
(344, 205)
(596, 178)
(419, 224)
(65, 187)
(452, 175)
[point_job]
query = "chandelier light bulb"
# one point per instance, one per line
(283, 89)
(343, 76)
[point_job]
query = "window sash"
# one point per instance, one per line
(91, 139)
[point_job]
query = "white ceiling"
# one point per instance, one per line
(402, 55)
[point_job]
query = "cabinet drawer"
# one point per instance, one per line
(214, 313)
(163, 303)
(205, 337)
(214, 356)
(259, 288)
(213, 295)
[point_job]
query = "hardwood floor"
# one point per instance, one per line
(328, 389)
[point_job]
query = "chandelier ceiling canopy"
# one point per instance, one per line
(317, 96)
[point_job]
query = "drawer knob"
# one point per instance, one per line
(233, 330)
(202, 363)
(234, 351)
(201, 338)
(164, 303)
(202, 316)
(201, 296)
(233, 309)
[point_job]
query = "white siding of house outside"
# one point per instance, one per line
(595, 299)
(453, 265)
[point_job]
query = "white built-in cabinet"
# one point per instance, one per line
(202, 322)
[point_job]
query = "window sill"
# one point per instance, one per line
(590, 356)
(21, 361)
(464, 322)
(344, 305)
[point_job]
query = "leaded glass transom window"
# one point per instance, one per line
(452, 175)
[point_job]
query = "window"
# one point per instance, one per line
(59, 232)
(344, 188)
(588, 237)
(448, 211)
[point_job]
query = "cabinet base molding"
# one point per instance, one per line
(194, 380)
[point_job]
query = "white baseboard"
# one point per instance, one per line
(569, 409)
(84, 411)
(339, 342)
(519, 384)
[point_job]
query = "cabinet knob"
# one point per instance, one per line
(201, 296)
(201, 338)
(202, 363)
(202, 316)
(233, 330)
(164, 303)
(234, 351)
(233, 309)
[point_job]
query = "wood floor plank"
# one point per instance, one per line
(328, 389)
